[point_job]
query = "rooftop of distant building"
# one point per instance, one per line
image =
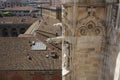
(17, 8)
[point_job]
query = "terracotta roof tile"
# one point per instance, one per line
(15, 52)
(47, 25)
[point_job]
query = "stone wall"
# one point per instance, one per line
(113, 33)
(86, 41)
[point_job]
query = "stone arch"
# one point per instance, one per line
(5, 32)
(91, 23)
(90, 41)
(14, 32)
(22, 30)
(90, 26)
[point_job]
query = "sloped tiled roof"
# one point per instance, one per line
(45, 30)
(14, 56)
(47, 25)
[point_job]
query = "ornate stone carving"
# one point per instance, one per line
(67, 55)
(90, 25)
(83, 31)
(66, 58)
(97, 31)
(90, 29)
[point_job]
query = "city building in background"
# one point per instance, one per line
(9, 3)
(21, 11)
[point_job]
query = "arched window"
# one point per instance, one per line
(5, 32)
(22, 30)
(14, 32)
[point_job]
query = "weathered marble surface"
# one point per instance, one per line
(84, 41)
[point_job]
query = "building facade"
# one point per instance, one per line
(13, 26)
(90, 39)
(10, 3)
(22, 11)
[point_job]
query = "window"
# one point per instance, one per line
(14, 32)
(5, 32)
(22, 30)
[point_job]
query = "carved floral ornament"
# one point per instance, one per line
(90, 29)
(90, 25)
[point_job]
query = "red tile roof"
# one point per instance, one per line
(16, 54)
